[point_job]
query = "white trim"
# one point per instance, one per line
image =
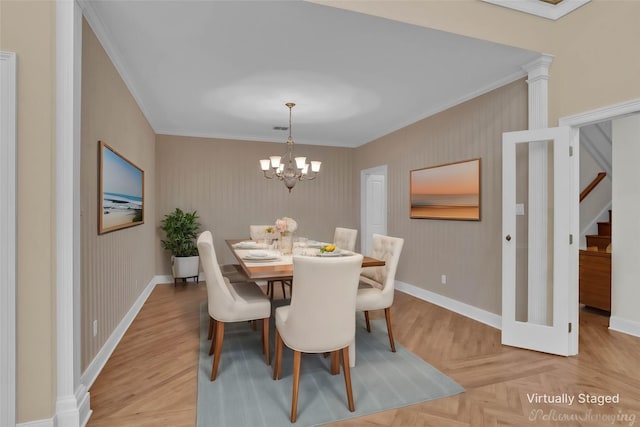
(625, 326)
(72, 398)
(539, 8)
(8, 143)
(610, 112)
(601, 114)
(97, 364)
(47, 422)
(475, 313)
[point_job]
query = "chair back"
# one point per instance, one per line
(345, 238)
(219, 297)
(323, 303)
(257, 232)
(388, 249)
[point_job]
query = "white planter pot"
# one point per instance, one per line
(182, 267)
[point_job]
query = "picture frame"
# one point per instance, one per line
(447, 191)
(121, 191)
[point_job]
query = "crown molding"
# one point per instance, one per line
(541, 8)
(104, 37)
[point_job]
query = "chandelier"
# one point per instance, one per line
(288, 168)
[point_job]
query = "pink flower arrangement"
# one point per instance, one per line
(286, 225)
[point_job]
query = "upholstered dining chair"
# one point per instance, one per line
(230, 302)
(257, 232)
(377, 284)
(320, 318)
(345, 238)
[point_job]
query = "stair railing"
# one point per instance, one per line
(589, 188)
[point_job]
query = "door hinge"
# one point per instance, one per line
(569, 327)
(571, 151)
(571, 239)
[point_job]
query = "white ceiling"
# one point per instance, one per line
(224, 69)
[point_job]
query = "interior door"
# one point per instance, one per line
(374, 205)
(540, 240)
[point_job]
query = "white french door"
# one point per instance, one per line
(540, 240)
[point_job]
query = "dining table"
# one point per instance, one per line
(276, 266)
(281, 266)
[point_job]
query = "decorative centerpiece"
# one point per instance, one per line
(286, 226)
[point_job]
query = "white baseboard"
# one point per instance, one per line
(38, 423)
(625, 326)
(91, 373)
(475, 313)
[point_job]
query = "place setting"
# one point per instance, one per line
(259, 255)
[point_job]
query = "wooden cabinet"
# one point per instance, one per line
(595, 279)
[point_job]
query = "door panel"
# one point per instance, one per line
(539, 273)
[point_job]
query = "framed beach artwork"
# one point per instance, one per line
(121, 197)
(449, 191)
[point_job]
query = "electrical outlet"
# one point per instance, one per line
(443, 279)
(95, 328)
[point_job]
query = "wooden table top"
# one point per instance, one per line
(275, 272)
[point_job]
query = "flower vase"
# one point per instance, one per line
(286, 243)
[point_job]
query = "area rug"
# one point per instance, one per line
(244, 393)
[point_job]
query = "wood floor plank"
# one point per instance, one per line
(150, 379)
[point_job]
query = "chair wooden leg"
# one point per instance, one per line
(347, 378)
(284, 293)
(265, 340)
(210, 334)
(213, 337)
(335, 362)
(387, 315)
(270, 289)
(216, 355)
(277, 364)
(366, 319)
(296, 386)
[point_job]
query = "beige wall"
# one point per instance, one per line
(468, 252)
(117, 266)
(596, 62)
(36, 320)
(221, 179)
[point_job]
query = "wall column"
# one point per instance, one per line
(538, 212)
(72, 401)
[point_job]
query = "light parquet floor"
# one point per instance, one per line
(150, 380)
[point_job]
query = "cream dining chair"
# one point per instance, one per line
(320, 318)
(258, 232)
(345, 238)
(230, 302)
(377, 284)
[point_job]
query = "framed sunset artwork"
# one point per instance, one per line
(448, 191)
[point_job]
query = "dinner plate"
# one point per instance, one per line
(314, 244)
(259, 254)
(260, 258)
(245, 245)
(336, 252)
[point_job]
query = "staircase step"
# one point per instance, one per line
(604, 228)
(600, 241)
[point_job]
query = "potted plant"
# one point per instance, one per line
(181, 230)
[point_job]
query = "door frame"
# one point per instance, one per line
(8, 266)
(610, 112)
(364, 174)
